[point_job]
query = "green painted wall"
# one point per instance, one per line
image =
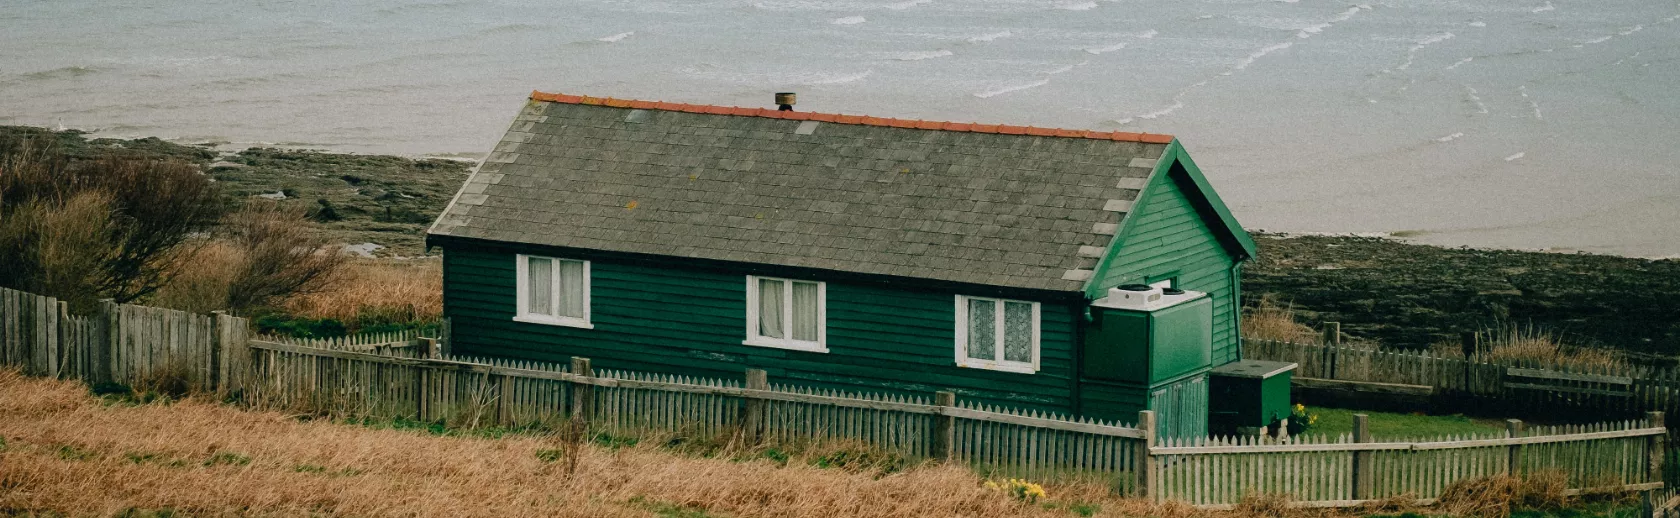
(1168, 235)
(676, 318)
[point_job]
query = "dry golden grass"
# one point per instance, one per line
(1496, 496)
(399, 290)
(67, 452)
(1271, 320)
(202, 278)
(1512, 343)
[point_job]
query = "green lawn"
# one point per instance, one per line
(1336, 421)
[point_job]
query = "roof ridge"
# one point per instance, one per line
(1122, 136)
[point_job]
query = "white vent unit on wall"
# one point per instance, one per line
(1143, 297)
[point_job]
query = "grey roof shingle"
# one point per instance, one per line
(982, 208)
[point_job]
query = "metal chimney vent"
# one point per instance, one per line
(785, 101)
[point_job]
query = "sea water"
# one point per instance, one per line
(1506, 123)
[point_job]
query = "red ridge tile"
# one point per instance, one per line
(1148, 138)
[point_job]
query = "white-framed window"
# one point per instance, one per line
(787, 313)
(997, 334)
(1169, 282)
(552, 291)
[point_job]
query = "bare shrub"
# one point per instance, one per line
(119, 220)
(1270, 320)
(282, 257)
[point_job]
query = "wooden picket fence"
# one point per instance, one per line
(1353, 469)
(407, 376)
(120, 343)
(1003, 442)
(1606, 390)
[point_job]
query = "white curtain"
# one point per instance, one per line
(539, 286)
(805, 311)
(1017, 332)
(770, 308)
(572, 286)
(982, 330)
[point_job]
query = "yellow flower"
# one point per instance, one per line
(1299, 408)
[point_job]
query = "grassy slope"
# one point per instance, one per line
(66, 452)
(1412, 295)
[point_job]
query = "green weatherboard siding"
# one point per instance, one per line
(1171, 234)
(670, 316)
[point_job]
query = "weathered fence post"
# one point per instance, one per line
(1362, 467)
(944, 425)
(1513, 454)
(233, 354)
(583, 394)
(1654, 458)
(60, 354)
(1332, 340)
(752, 413)
(504, 400)
(1145, 462)
(102, 356)
(429, 348)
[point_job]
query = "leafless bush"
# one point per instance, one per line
(116, 221)
(280, 257)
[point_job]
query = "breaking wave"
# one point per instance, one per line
(849, 20)
(1015, 88)
(1249, 60)
(1450, 138)
(1076, 6)
(616, 37)
(1106, 48)
(906, 5)
(837, 79)
(918, 56)
(990, 36)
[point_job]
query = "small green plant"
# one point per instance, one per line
(1300, 420)
(141, 457)
(227, 458)
(309, 468)
(550, 455)
(300, 327)
(68, 452)
(1019, 489)
(2, 444)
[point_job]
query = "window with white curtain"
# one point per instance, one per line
(553, 291)
(787, 313)
(997, 334)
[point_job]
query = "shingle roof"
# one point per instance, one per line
(984, 204)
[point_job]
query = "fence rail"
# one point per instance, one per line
(1614, 389)
(1353, 469)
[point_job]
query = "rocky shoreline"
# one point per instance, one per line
(1411, 296)
(1384, 290)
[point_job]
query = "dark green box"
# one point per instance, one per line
(1249, 394)
(1149, 347)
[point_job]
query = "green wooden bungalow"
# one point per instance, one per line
(850, 252)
